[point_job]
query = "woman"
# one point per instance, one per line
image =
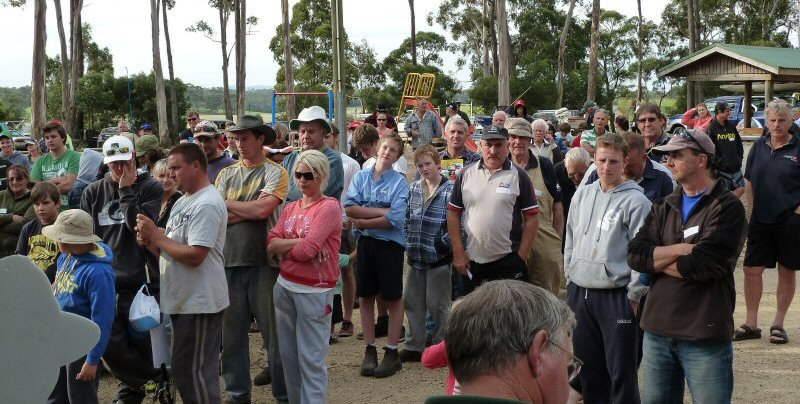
(16, 208)
(171, 195)
(697, 118)
(34, 152)
(307, 238)
(382, 129)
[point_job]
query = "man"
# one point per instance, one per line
(650, 122)
(499, 118)
(423, 125)
(544, 259)
(206, 134)
(146, 129)
(689, 244)
(488, 201)
(729, 149)
(589, 109)
(391, 123)
(452, 109)
(253, 190)
(190, 250)
(602, 290)
(59, 166)
(193, 118)
(312, 125)
(570, 173)
(589, 137)
(8, 153)
(538, 327)
(655, 179)
(455, 133)
(113, 202)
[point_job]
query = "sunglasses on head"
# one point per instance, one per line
(648, 119)
(689, 137)
(116, 149)
(204, 129)
(306, 175)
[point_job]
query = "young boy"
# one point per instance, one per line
(376, 202)
(365, 138)
(41, 250)
(84, 286)
(428, 284)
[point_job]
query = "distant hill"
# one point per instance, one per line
(257, 98)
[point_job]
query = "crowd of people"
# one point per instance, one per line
(539, 267)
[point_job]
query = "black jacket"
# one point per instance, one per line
(114, 211)
(700, 305)
(728, 144)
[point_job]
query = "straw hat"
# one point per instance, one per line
(73, 226)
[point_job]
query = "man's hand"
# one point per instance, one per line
(414, 133)
(461, 262)
(635, 306)
(683, 248)
(128, 173)
(524, 258)
(17, 218)
(88, 372)
(146, 230)
(357, 223)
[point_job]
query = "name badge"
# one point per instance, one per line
(538, 192)
(502, 190)
(3, 211)
(691, 231)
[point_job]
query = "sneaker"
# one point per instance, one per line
(370, 361)
(389, 365)
(332, 339)
(382, 326)
(410, 356)
(263, 378)
(360, 336)
(347, 328)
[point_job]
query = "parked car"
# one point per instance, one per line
(106, 133)
(736, 102)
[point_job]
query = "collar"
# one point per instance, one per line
(506, 164)
(675, 199)
(649, 171)
(446, 154)
(533, 162)
(768, 141)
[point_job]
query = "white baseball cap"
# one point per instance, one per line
(117, 148)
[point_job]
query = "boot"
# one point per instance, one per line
(389, 365)
(370, 361)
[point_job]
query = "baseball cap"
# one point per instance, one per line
(5, 135)
(117, 148)
(721, 106)
(697, 141)
(206, 128)
(452, 104)
(146, 143)
(494, 132)
(147, 126)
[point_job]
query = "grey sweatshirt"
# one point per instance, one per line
(599, 227)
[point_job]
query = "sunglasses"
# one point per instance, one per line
(574, 365)
(192, 119)
(15, 178)
(205, 129)
(650, 119)
(116, 149)
(381, 120)
(306, 175)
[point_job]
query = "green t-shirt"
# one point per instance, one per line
(46, 167)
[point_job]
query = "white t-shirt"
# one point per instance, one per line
(401, 165)
(351, 167)
(199, 219)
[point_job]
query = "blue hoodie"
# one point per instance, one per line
(84, 286)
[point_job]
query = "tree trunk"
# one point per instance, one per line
(485, 67)
(224, 14)
(161, 96)
(493, 32)
(413, 33)
(591, 89)
(639, 57)
(173, 99)
(288, 67)
(38, 93)
(76, 49)
(64, 66)
(503, 85)
(240, 21)
(562, 49)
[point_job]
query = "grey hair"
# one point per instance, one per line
(500, 112)
(578, 155)
(493, 327)
(456, 120)
(539, 121)
(599, 110)
(318, 163)
(779, 106)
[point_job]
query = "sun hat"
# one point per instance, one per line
(255, 124)
(311, 114)
(519, 127)
(146, 143)
(73, 226)
(117, 148)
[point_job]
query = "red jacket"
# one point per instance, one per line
(692, 120)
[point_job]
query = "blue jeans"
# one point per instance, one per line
(706, 365)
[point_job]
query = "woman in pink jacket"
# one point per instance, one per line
(307, 238)
(697, 118)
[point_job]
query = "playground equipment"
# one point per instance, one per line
(275, 97)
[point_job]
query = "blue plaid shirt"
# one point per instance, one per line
(426, 225)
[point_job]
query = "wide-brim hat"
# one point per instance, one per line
(519, 127)
(697, 141)
(255, 124)
(311, 114)
(117, 148)
(73, 226)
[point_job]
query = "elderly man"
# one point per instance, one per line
(689, 245)
(651, 121)
(499, 118)
(589, 137)
(313, 125)
(423, 125)
(570, 172)
(541, 146)
(545, 259)
(488, 201)
(455, 133)
(530, 359)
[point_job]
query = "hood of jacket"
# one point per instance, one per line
(102, 254)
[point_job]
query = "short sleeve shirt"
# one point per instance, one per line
(775, 178)
(246, 244)
(199, 219)
(47, 167)
(491, 206)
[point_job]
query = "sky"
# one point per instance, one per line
(124, 28)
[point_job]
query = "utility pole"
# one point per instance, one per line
(339, 46)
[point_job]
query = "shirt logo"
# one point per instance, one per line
(791, 157)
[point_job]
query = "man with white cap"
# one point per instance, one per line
(113, 202)
(206, 135)
(312, 125)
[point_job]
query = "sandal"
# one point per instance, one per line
(746, 332)
(777, 335)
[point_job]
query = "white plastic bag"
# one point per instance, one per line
(144, 314)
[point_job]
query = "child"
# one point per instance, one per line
(435, 357)
(366, 139)
(428, 285)
(376, 202)
(338, 311)
(84, 286)
(41, 250)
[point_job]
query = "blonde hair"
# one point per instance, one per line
(158, 167)
(318, 163)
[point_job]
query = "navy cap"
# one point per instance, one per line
(147, 126)
(494, 132)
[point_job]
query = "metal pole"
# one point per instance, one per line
(273, 107)
(330, 105)
(130, 100)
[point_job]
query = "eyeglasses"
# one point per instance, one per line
(306, 175)
(574, 365)
(648, 119)
(192, 119)
(15, 179)
(381, 120)
(116, 149)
